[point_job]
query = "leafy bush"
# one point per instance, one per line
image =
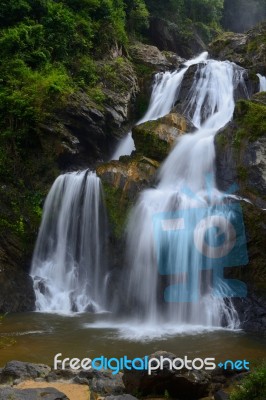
(253, 387)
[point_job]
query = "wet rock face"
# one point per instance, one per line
(252, 313)
(130, 176)
(240, 159)
(241, 150)
(16, 294)
(167, 36)
(255, 160)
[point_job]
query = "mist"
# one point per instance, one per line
(241, 15)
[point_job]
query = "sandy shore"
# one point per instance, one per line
(73, 391)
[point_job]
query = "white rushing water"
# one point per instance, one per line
(68, 266)
(178, 235)
(175, 228)
(262, 82)
(164, 93)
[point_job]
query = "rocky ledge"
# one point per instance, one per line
(155, 139)
(22, 380)
(246, 49)
(240, 159)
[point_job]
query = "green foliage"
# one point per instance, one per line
(115, 74)
(50, 49)
(204, 15)
(221, 140)
(97, 95)
(47, 53)
(118, 208)
(84, 72)
(253, 387)
(141, 105)
(147, 139)
(250, 117)
(137, 15)
(178, 11)
(205, 11)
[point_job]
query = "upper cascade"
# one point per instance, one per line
(262, 82)
(69, 261)
(164, 94)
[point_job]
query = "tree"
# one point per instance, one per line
(205, 11)
(137, 15)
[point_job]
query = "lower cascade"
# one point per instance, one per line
(182, 234)
(69, 259)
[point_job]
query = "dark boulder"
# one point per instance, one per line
(221, 395)
(121, 397)
(14, 370)
(149, 56)
(182, 384)
(103, 383)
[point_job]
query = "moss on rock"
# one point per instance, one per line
(122, 182)
(250, 118)
(247, 49)
(155, 139)
(241, 150)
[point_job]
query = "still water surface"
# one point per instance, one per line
(40, 336)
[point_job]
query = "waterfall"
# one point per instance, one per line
(164, 93)
(262, 82)
(68, 265)
(171, 277)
